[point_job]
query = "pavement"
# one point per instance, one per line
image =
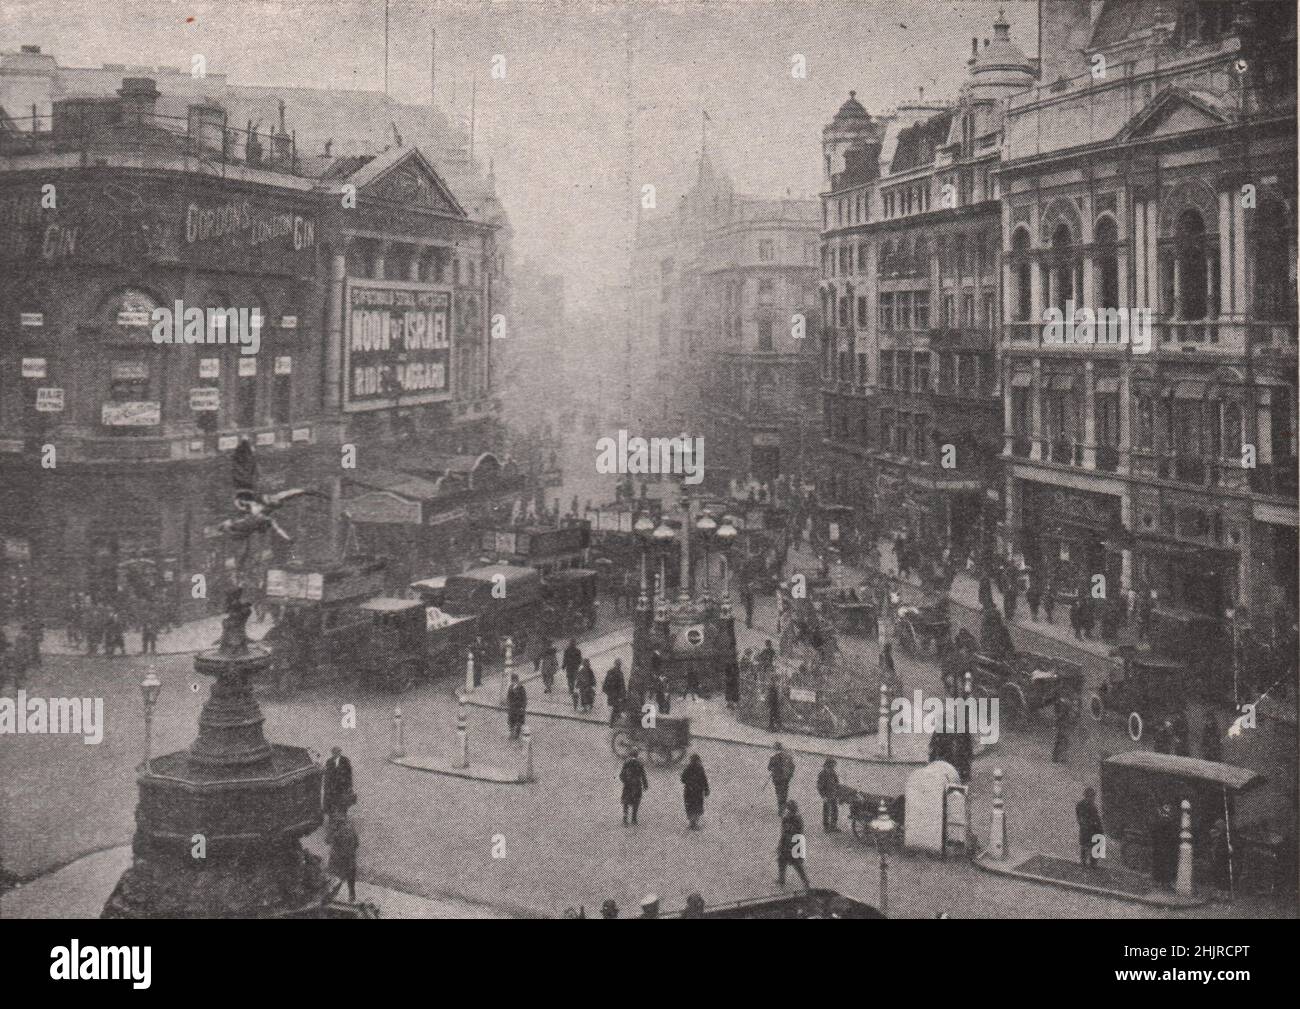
(79, 889)
(184, 639)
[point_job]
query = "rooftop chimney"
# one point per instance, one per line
(30, 50)
(139, 97)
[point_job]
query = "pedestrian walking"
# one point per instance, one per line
(1049, 601)
(828, 787)
(149, 633)
(336, 784)
(663, 695)
(1034, 597)
(1064, 719)
(572, 662)
(1090, 828)
(635, 784)
(1211, 741)
(1076, 618)
(1182, 734)
(792, 847)
(695, 789)
(773, 706)
(1162, 740)
(780, 768)
(766, 659)
(342, 839)
(1010, 596)
(586, 684)
(516, 706)
(547, 663)
(732, 685)
(614, 687)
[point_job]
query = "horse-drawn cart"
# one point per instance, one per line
(924, 630)
(664, 741)
(865, 807)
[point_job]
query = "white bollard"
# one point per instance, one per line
(882, 722)
(1183, 882)
(462, 737)
(469, 671)
(399, 746)
(526, 757)
(998, 821)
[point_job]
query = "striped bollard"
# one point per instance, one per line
(469, 671)
(462, 737)
(399, 745)
(1183, 882)
(882, 722)
(526, 756)
(998, 821)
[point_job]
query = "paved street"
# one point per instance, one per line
(433, 836)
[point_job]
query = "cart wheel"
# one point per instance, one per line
(660, 755)
(621, 743)
(1013, 703)
(1134, 726)
(1095, 707)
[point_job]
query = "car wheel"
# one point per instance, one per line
(1134, 726)
(1095, 707)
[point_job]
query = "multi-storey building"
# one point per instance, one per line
(910, 263)
(758, 380)
(721, 337)
(367, 286)
(1150, 179)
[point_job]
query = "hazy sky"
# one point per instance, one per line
(597, 98)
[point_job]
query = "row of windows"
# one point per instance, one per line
(897, 432)
(960, 256)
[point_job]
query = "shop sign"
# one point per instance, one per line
(227, 442)
(31, 318)
(288, 322)
(131, 414)
(17, 549)
(33, 367)
(266, 438)
(247, 367)
(205, 398)
(49, 400)
(302, 434)
(283, 365)
(130, 371)
(281, 584)
(209, 367)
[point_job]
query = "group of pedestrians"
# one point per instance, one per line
(101, 624)
(18, 657)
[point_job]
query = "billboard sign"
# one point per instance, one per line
(397, 348)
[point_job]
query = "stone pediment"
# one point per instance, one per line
(404, 175)
(1172, 112)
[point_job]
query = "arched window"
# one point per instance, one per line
(1274, 260)
(1022, 275)
(1190, 296)
(1064, 269)
(1106, 276)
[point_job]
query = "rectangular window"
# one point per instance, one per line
(765, 293)
(968, 310)
(764, 333)
(886, 369)
(921, 309)
(862, 258)
(923, 371)
(766, 252)
(946, 377)
(282, 391)
(862, 310)
(1145, 426)
(949, 312)
(989, 319)
(248, 400)
(886, 311)
(904, 361)
(904, 310)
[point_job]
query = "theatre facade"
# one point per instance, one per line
(326, 309)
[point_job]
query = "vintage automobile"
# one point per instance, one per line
(506, 599)
(1026, 682)
(1135, 784)
(815, 903)
(924, 630)
(570, 602)
(332, 625)
(1147, 688)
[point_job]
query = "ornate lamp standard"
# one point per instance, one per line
(884, 830)
(707, 526)
(663, 537)
(644, 527)
(726, 536)
(150, 688)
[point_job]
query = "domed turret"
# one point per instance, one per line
(851, 137)
(1000, 68)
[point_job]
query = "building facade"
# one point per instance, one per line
(1149, 181)
(910, 264)
(722, 337)
(320, 304)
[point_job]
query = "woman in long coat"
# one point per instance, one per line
(695, 786)
(586, 686)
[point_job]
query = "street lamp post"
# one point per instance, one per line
(707, 527)
(726, 536)
(663, 538)
(883, 830)
(150, 688)
(644, 527)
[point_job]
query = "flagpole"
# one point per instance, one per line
(385, 48)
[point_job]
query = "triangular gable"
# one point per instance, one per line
(404, 175)
(1171, 112)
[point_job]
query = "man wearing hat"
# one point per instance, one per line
(650, 907)
(790, 849)
(609, 909)
(828, 787)
(635, 783)
(781, 769)
(337, 783)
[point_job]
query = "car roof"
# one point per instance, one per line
(386, 604)
(1230, 776)
(510, 572)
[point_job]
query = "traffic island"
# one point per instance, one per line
(447, 766)
(1101, 879)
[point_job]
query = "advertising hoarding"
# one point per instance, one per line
(397, 345)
